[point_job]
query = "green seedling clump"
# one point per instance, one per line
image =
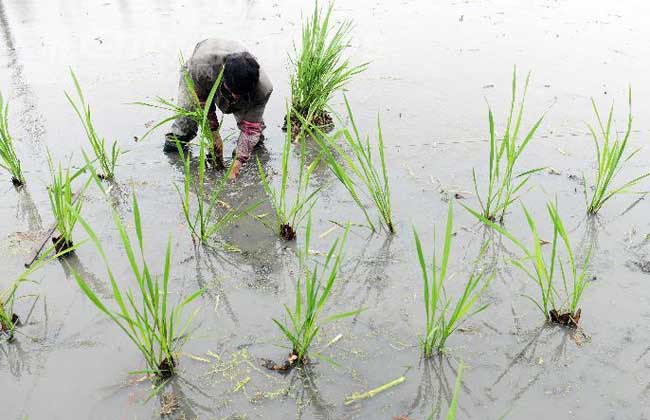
(290, 214)
(443, 316)
(8, 159)
(154, 325)
(557, 300)
(313, 289)
(66, 205)
(610, 156)
(504, 184)
(319, 68)
(107, 159)
(9, 320)
(357, 169)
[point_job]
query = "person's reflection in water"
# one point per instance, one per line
(256, 244)
(322, 174)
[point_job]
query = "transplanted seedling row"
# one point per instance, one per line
(159, 329)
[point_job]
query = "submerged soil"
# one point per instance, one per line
(430, 89)
(323, 121)
(292, 361)
(567, 319)
(287, 232)
(61, 245)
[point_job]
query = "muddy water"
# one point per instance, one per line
(432, 67)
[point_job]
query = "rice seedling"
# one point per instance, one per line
(443, 316)
(9, 320)
(66, 205)
(312, 293)
(107, 159)
(504, 184)
(289, 215)
(319, 68)
(610, 156)
(8, 159)
(559, 303)
(156, 327)
(359, 172)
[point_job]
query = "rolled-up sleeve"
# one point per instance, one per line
(249, 136)
(251, 124)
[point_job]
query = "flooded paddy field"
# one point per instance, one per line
(433, 66)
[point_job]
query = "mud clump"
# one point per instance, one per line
(17, 182)
(166, 368)
(292, 361)
(15, 321)
(287, 232)
(566, 319)
(322, 121)
(8, 330)
(61, 246)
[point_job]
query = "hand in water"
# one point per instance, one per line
(234, 172)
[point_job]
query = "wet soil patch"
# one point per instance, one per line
(287, 232)
(566, 319)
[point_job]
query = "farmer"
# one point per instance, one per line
(245, 89)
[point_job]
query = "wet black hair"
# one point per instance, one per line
(241, 73)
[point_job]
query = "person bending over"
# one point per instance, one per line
(244, 91)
